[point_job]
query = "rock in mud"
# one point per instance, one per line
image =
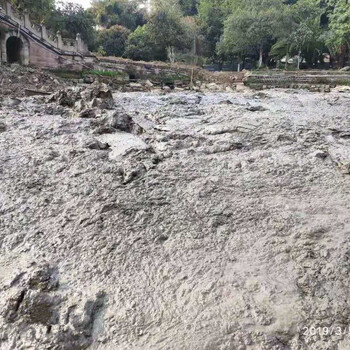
(97, 145)
(256, 108)
(133, 174)
(149, 84)
(88, 79)
(96, 95)
(122, 122)
(213, 86)
(63, 98)
(136, 87)
(102, 103)
(12, 102)
(101, 91)
(118, 120)
(87, 113)
(64, 320)
(2, 127)
(80, 105)
(321, 154)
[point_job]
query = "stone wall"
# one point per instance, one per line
(141, 69)
(297, 79)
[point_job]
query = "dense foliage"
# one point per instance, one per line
(125, 13)
(265, 31)
(39, 9)
(141, 46)
(112, 40)
(71, 19)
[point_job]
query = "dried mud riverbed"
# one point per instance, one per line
(204, 221)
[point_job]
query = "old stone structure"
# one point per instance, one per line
(25, 42)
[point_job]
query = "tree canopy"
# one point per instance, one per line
(251, 27)
(71, 19)
(218, 30)
(40, 10)
(126, 13)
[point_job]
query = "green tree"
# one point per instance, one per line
(127, 13)
(250, 28)
(167, 27)
(113, 40)
(212, 14)
(40, 10)
(300, 32)
(189, 7)
(71, 19)
(307, 36)
(302, 35)
(338, 37)
(140, 46)
(286, 26)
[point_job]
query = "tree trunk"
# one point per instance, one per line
(342, 58)
(299, 57)
(171, 54)
(287, 58)
(260, 57)
(194, 51)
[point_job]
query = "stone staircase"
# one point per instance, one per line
(40, 32)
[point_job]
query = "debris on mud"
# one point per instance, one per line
(188, 220)
(16, 81)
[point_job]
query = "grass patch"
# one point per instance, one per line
(67, 74)
(343, 82)
(106, 73)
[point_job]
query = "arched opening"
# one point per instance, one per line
(13, 48)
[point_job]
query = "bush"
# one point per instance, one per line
(112, 41)
(140, 46)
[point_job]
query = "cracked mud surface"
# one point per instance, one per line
(229, 230)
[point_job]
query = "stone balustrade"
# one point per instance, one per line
(55, 40)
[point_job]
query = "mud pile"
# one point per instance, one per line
(15, 79)
(179, 221)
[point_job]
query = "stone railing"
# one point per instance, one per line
(55, 40)
(68, 44)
